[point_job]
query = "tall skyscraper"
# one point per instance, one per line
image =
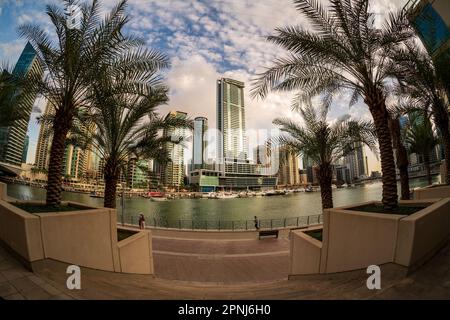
(76, 162)
(174, 172)
(356, 162)
(232, 141)
(25, 149)
(288, 173)
(199, 142)
(12, 139)
(44, 141)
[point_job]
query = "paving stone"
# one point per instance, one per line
(23, 284)
(12, 274)
(36, 279)
(60, 296)
(2, 278)
(7, 264)
(50, 289)
(15, 296)
(7, 289)
(36, 293)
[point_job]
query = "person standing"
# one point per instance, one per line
(256, 223)
(141, 221)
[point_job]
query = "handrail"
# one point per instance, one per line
(227, 225)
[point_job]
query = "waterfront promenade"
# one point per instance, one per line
(48, 281)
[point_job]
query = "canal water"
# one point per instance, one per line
(274, 207)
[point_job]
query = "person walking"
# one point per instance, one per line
(256, 223)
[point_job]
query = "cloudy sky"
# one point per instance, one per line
(205, 40)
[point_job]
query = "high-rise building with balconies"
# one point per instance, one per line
(232, 141)
(12, 138)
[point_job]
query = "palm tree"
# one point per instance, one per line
(345, 52)
(69, 65)
(420, 89)
(421, 139)
(126, 124)
(324, 143)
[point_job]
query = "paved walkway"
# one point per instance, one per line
(432, 281)
(17, 283)
(226, 261)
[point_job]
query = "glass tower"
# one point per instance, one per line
(232, 142)
(199, 142)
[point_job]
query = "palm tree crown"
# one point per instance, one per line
(421, 90)
(70, 63)
(344, 52)
(323, 143)
(123, 115)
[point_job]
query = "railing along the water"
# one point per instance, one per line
(226, 225)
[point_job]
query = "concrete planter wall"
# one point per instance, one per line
(354, 240)
(443, 172)
(85, 238)
(432, 192)
(309, 260)
(135, 253)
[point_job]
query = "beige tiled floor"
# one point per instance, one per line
(48, 281)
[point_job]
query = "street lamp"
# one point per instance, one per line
(123, 204)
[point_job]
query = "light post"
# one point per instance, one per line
(123, 204)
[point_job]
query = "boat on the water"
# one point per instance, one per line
(157, 196)
(275, 193)
(95, 194)
(226, 195)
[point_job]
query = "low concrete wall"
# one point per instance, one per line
(3, 195)
(443, 172)
(305, 253)
(432, 192)
(354, 239)
(422, 233)
(21, 231)
(86, 238)
(135, 253)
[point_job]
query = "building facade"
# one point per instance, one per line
(12, 139)
(431, 20)
(25, 149)
(288, 172)
(174, 172)
(44, 141)
(232, 141)
(356, 162)
(199, 143)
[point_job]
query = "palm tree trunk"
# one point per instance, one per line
(111, 178)
(54, 181)
(426, 160)
(402, 157)
(325, 176)
(376, 103)
(110, 192)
